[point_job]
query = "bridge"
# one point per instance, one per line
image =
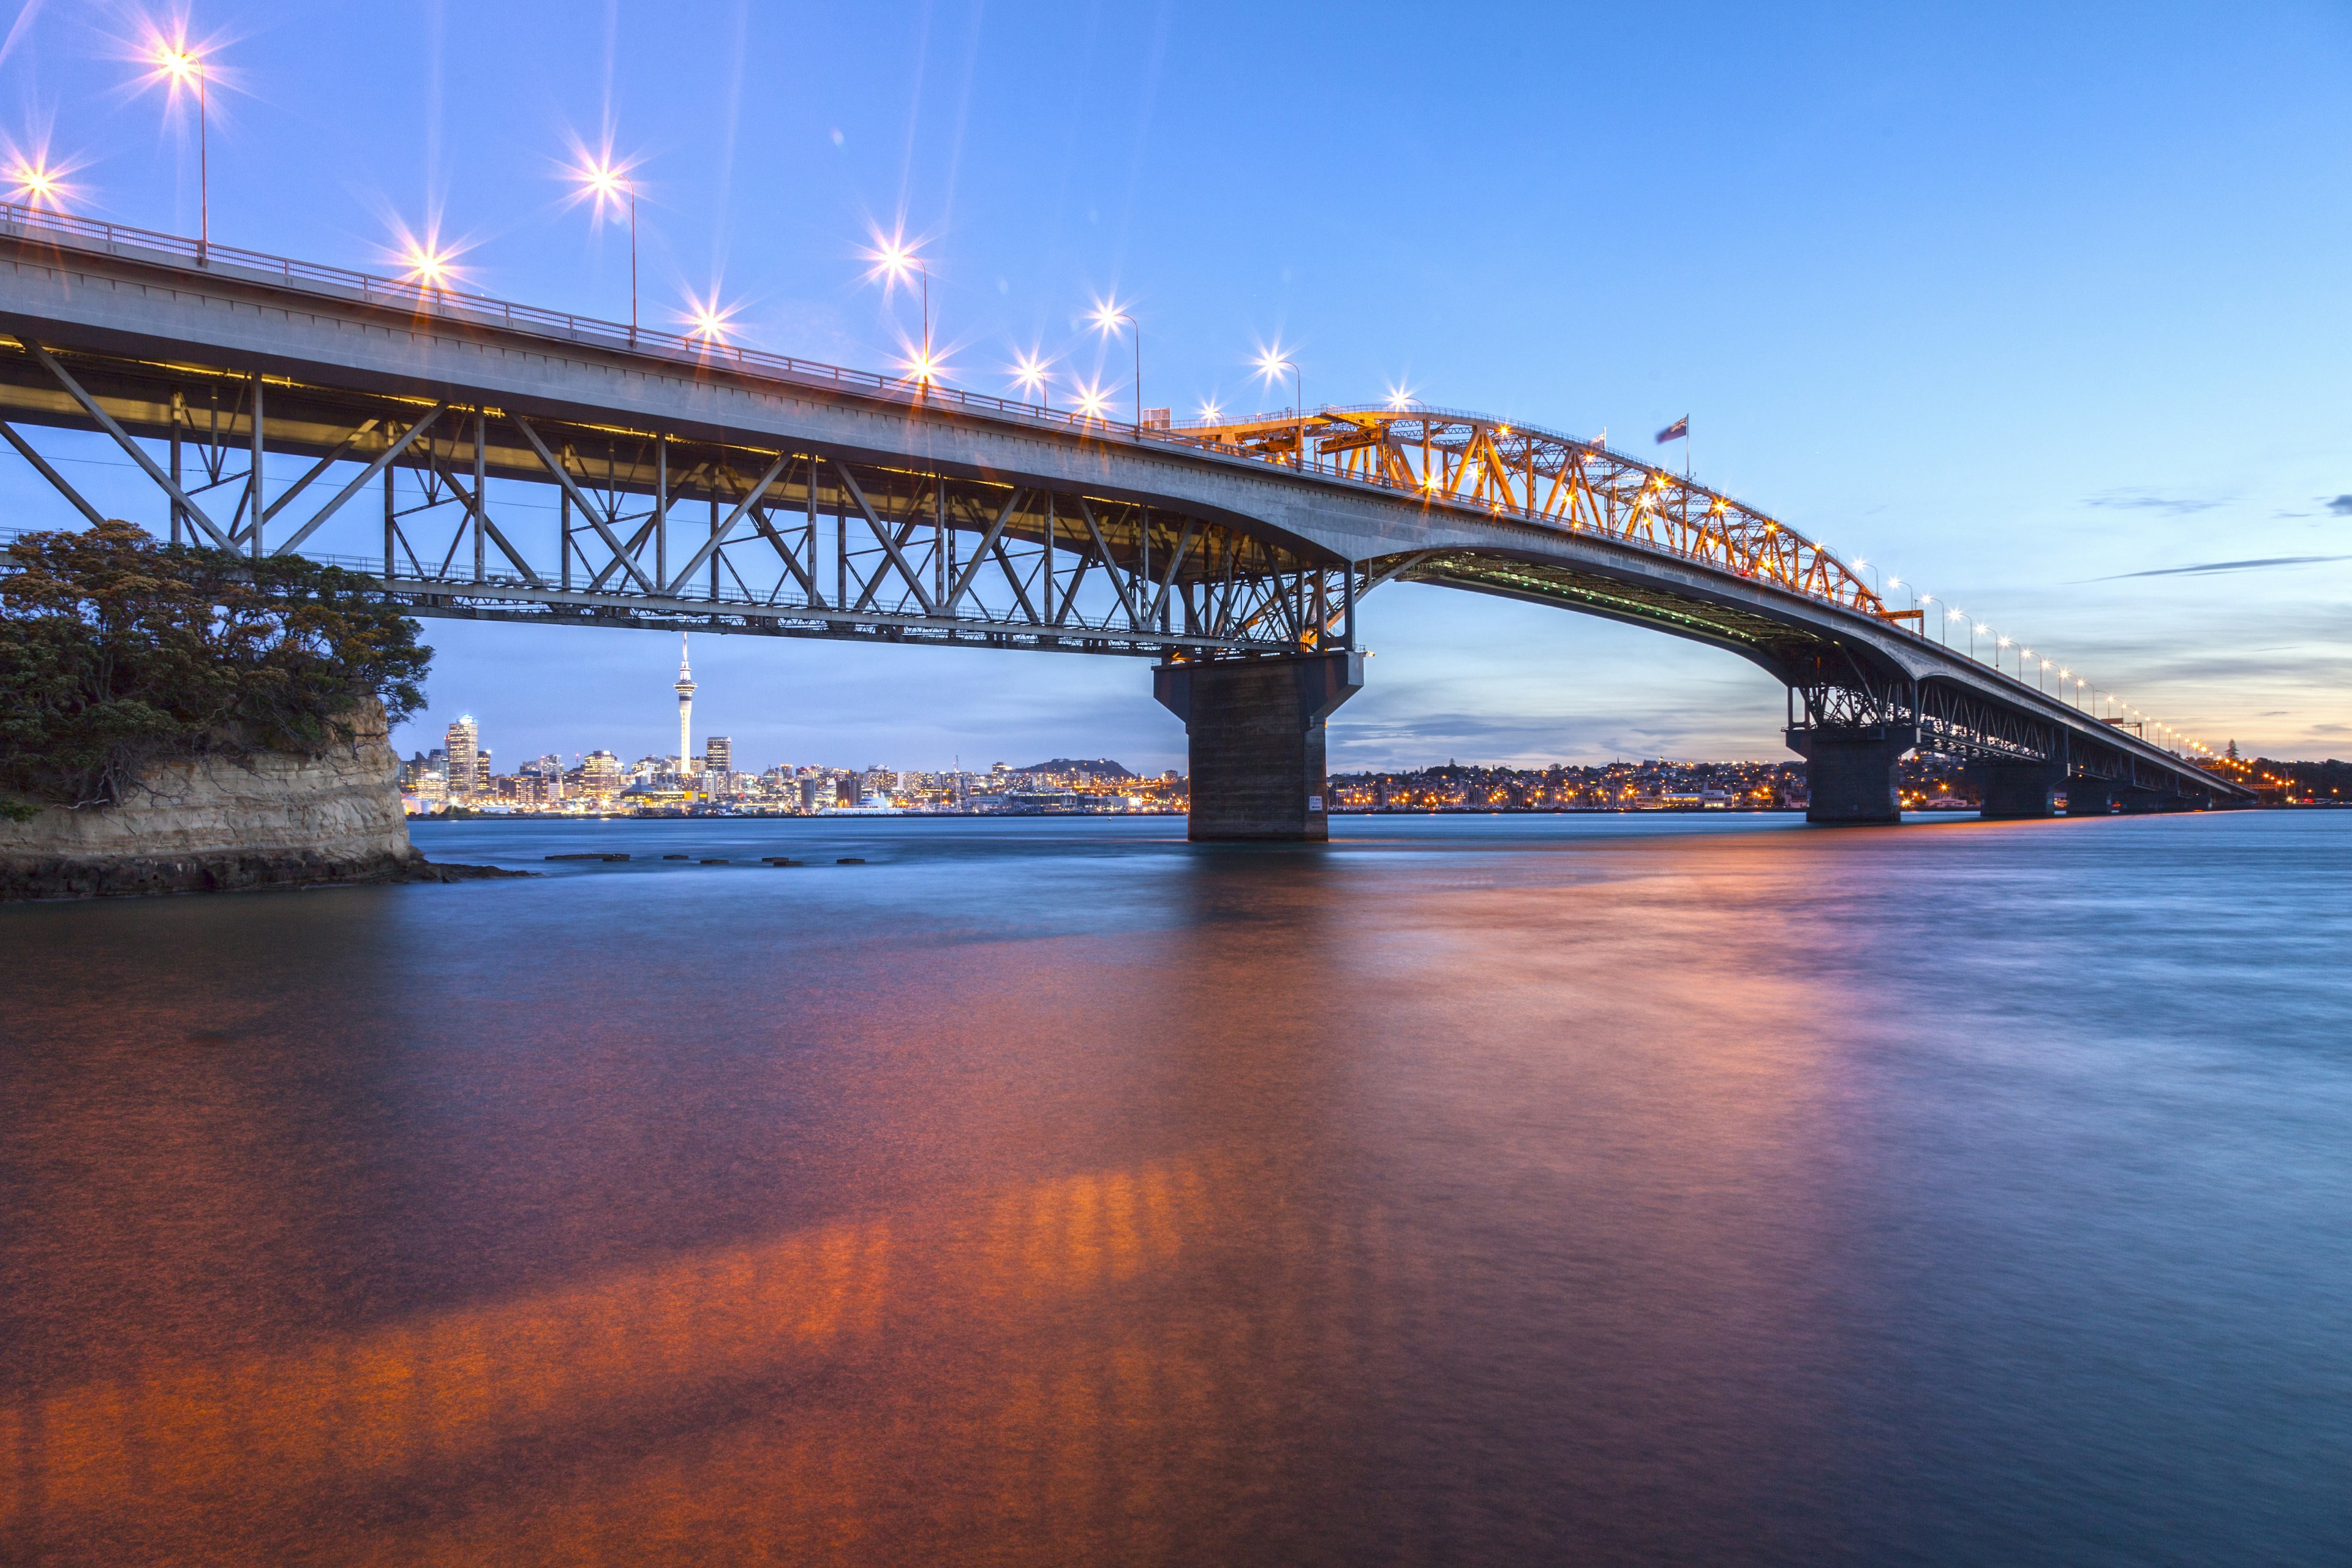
(650, 480)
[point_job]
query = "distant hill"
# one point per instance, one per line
(1101, 767)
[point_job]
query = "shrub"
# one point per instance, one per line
(118, 654)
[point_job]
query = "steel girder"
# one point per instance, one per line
(1517, 470)
(1270, 566)
(623, 526)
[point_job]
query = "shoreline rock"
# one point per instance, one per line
(29, 880)
(232, 823)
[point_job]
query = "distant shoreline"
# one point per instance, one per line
(996, 816)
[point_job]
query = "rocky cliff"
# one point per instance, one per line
(267, 820)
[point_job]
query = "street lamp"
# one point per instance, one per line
(1031, 377)
(1107, 316)
(184, 65)
(894, 258)
(1271, 364)
(37, 184)
(606, 182)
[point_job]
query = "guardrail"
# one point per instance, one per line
(25, 221)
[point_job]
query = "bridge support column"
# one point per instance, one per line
(1254, 741)
(1851, 770)
(2088, 797)
(2011, 792)
(2138, 802)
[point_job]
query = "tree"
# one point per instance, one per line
(118, 654)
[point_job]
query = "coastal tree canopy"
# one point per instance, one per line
(118, 654)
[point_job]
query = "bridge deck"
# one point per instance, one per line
(683, 482)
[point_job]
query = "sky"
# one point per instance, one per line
(2040, 309)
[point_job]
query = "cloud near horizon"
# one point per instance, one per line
(2204, 567)
(2148, 500)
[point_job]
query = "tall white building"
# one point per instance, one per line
(684, 709)
(464, 745)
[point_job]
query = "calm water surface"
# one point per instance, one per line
(1496, 1190)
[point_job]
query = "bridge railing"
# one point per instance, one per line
(426, 297)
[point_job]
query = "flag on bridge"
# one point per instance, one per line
(1677, 431)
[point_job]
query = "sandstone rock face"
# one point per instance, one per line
(268, 820)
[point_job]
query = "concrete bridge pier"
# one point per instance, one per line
(2139, 802)
(1850, 771)
(2012, 792)
(2089, 796)
(1254, 730)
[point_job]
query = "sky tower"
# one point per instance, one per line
(685, 712)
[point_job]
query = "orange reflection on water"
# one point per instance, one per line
(184, 1449)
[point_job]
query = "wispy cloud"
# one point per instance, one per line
(2151, 501)
(2341, 506)
(2205, 567)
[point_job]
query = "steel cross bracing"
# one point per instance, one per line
(1469, 459)
(604, 525)
(1953, 720)
(606, 517)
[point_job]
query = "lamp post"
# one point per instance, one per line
(895, 259)
(1031, 377)
(1107, 316)
(1271, 364)
(185, 65)
(608, 183)
(36, 185)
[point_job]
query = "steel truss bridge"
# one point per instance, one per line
(647, 479)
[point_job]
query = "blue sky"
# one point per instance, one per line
(2041, 307)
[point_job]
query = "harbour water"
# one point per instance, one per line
(1471, 1190)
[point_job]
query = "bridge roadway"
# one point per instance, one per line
(697, 484)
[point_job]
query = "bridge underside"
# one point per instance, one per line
(477, 510)
(485, 513)
(1850, 715)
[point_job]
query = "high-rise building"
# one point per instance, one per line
(540, 781)
(718, 755)
(685, 689)
(482, 772)
(600, 775)
(465, 742)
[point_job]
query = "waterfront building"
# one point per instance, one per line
(600, 777)
(463, 743)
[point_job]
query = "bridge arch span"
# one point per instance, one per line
(687, 483)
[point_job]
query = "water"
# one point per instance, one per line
(1475, 1190)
